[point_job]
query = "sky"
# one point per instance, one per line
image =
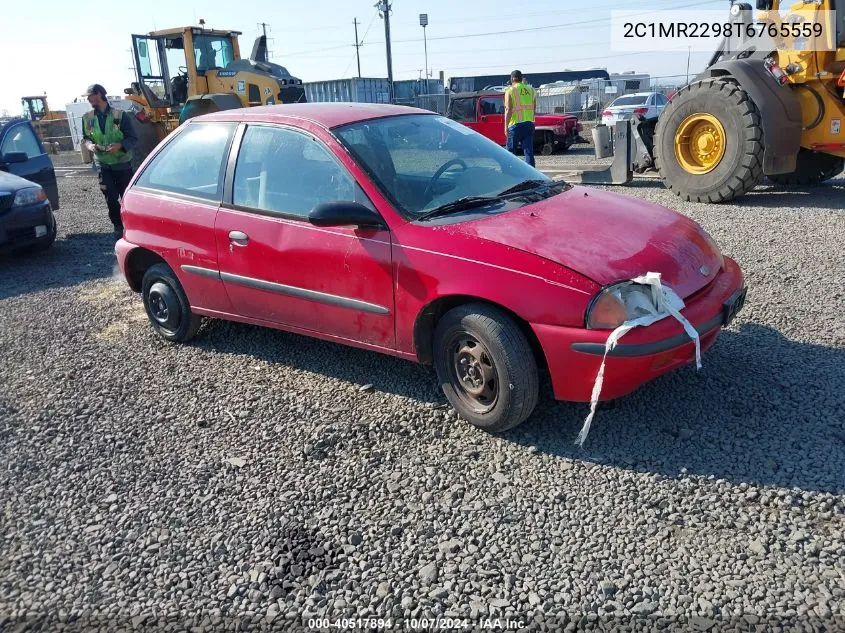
(59, 49)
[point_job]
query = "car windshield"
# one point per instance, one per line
(630, 100)
(423, 162)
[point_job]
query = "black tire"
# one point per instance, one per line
(547, 144)
(811, 169)
(509, 361)
(167, 305)
(741, 167)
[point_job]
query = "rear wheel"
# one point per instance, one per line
(812, 168)
(167, 305)
(708, 143)
(486, 367)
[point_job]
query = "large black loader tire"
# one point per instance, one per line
(719, 154)
(812, 168)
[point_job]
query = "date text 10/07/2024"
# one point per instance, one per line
(415, 624)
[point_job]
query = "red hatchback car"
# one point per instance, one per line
(404, 232)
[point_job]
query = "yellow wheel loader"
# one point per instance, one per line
(753, 114)
(185, 72)
(51, 126)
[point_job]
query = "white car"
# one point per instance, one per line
(647, 104)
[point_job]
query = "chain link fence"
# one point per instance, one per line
(586, 100)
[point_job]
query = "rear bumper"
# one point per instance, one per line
(18, 226)
(574, 354)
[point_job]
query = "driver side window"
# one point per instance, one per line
(288, 173)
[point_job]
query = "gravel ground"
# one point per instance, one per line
(262, 478)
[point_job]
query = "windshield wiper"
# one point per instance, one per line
(527, 185)
(467, 202)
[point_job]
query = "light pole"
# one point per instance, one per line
(424, 23)
(689, 52)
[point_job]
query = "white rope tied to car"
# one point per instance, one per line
(665, 302)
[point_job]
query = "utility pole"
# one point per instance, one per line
(424, 23)
(689, 51)
(384, 12)
(357, 47)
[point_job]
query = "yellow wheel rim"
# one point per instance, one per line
(700, 143)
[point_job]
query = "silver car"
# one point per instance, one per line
(647, 104)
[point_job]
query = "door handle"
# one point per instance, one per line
(238, 237)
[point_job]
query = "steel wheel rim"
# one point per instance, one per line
(700, 143)
(472, 373)
(163, 307)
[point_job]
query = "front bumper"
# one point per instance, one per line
(574, 354)
(21, 227)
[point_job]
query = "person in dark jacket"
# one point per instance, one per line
(108, 133)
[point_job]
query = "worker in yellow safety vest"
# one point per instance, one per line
(520, 106)
(108, 133)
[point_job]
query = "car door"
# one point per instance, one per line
(491, 117)
(17, 138)
(279, 268)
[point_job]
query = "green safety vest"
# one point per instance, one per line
(521, 99)
(112, 134)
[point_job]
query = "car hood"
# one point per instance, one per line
(554, 119)
(10, 182)
(607, 238)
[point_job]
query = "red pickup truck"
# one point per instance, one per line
(484, 112)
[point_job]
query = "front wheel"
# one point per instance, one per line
(167, 305)
(708, 143)
(486, 367)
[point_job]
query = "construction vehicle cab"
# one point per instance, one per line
(188, 71)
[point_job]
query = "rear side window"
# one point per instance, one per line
(192, 163)
(21, 139)
(462, 109)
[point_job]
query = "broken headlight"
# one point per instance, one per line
(619, 303)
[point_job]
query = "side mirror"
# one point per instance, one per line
(15, 157)
(345, 214)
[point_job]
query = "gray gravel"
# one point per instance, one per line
(249, 476)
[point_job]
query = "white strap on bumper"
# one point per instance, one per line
(667, 303)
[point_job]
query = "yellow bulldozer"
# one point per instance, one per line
(758, 112)
(188, 71)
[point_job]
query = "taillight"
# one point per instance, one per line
(640, 110)
(841, 82)
(607, 113)
(141, 115)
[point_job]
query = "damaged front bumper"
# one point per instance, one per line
(574, 355)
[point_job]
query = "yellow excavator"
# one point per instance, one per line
(774, 113)
(188, 71)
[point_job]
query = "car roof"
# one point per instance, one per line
(327, 115)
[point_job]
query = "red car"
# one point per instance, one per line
(359, 224)
(484, 112)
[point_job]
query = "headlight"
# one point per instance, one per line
(616, 304)
(30, 195)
